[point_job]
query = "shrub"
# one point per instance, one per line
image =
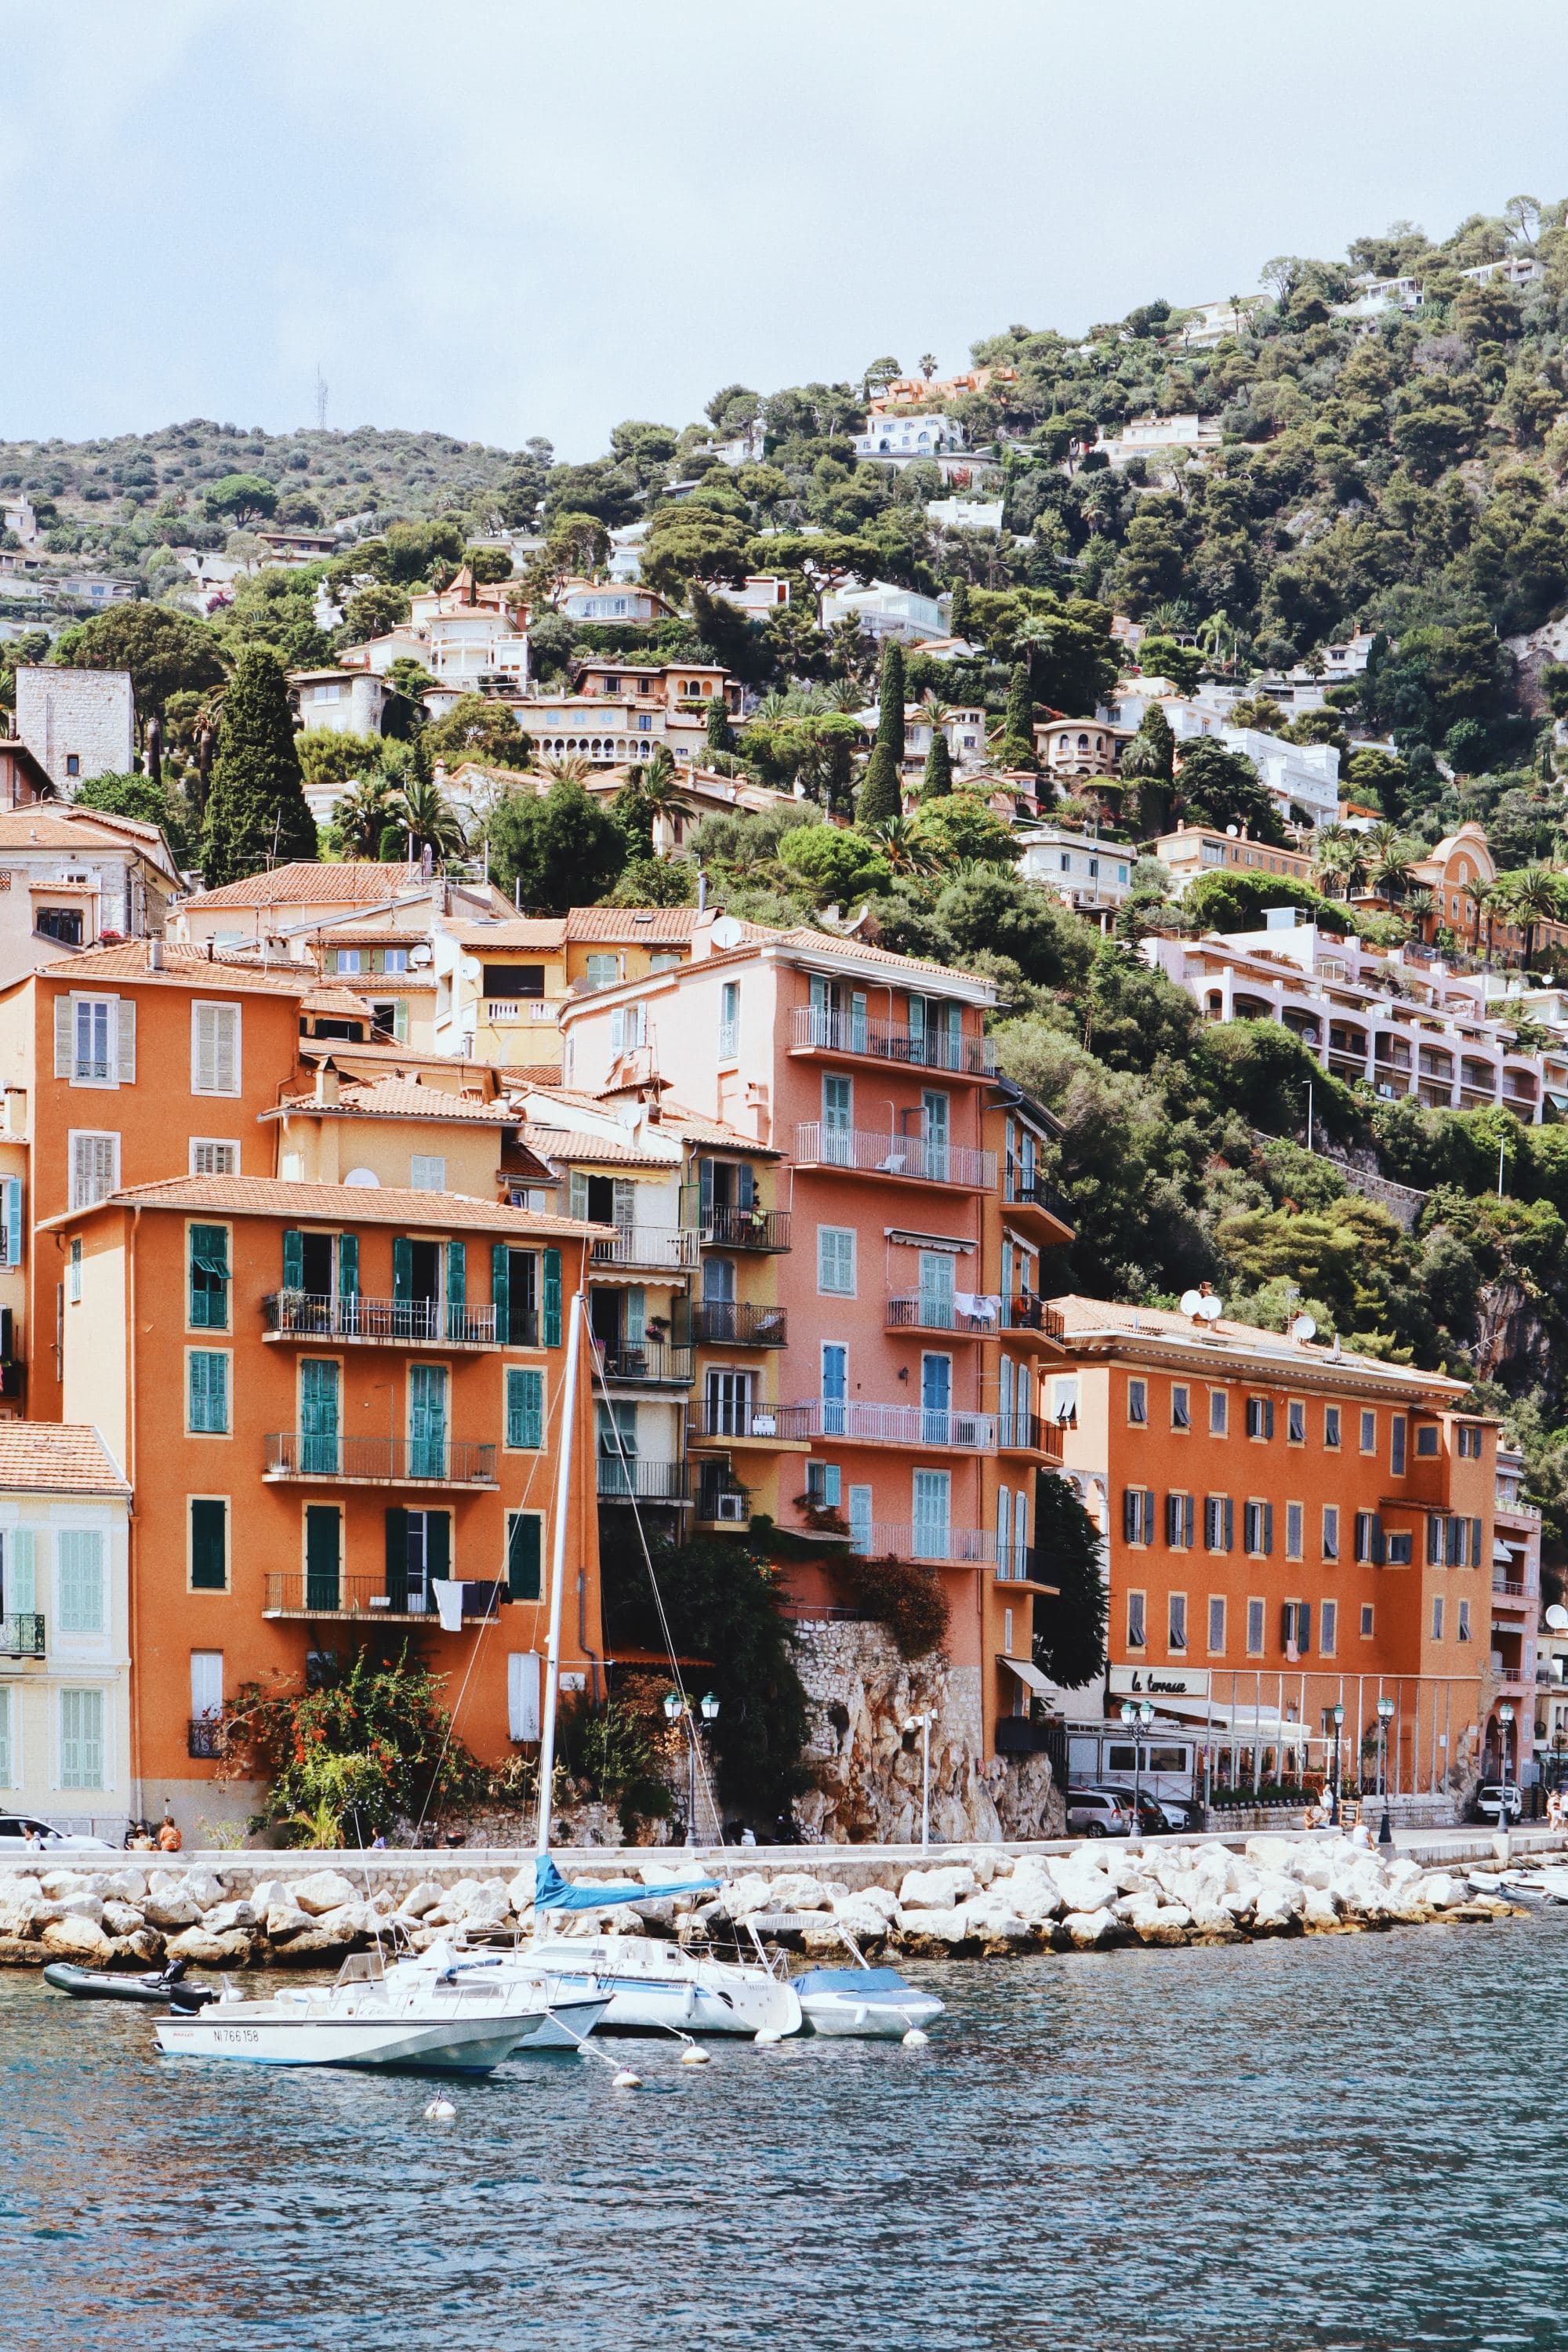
(906, 1596)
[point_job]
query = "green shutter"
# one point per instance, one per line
(438, 1544)
(324, 1554)
(524, 1581)
(500, 1290)
(397, 1558)
(208, 1271)
(208, 1393)
(427, 1420)
(208, 1567)
(402, 1268)
(319, 1417)
(525, 1409)
(552, 1298)
(348, 1266)
(293, 1261)
(457, 1276)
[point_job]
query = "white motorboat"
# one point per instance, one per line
(570, 2005)
(864, 2002)
(364, 2021)
(653, 1984)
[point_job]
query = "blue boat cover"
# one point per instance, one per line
(554, 1893)
(869, 1981)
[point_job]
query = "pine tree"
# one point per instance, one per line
(880, 795)
(958, 617)
(937, 782)
(719, 737)
(257, 814)
(890, 701)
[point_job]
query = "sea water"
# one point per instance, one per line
(1355, 2141)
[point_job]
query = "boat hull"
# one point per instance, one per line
(456, 2044)
(841, 2017)
(657, 1988)
(94, 1984)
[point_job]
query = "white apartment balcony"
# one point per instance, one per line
(943, 1431)
(668, 1248)
(914, 1159)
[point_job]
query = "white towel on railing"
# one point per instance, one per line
(448, 1603)
(976, 1304)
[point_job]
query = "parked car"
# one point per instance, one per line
(1489, 1801)
(20, 1831)
(1177, 1813)
(1100, 1812)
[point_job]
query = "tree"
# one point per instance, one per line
(373, 611)
(365, 813)
(145, 801)
(880, 375)
(1220, 787)
(256, 815)
(960, 830)
(838, 862)
(488, 565)
(1164, 657)
(690, 542)
(243, 498)
(476, 727)
(1016, 748)
(165, 652)
(429, 819)
(721, 735)
(1149, 762)
(891, 701)
(958, 609)
(937, 782)
(576, 544)
(559, 851)
(328, 758)
(1070, 1627)
(881, 790)
(1533, 897)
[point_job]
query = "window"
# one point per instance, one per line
(426, 1174)
(1296, 1421)
(206, 1390)
(1397, 1549)
(1138, 1404)
(1180, 1519)
(1436, 1551)
(627, 1028)
(207, 1272)
(823, 1484)
(729, 1021)
(1176, 1624)
(1295, 1519)
(859, 1519)
(349, 959)
(1427, 1441)
(1470, 1436)
(211, 1156)
(214, 1049)
(1219, 1413)
(525, 1555)
(95, 1040)
(1219, 1523)
(1368, 1539)
(209, 1543)
(1216, 1625)
(78, 1581)
(1258, 1527)
(73, 768)
(1296, 1630)
(206, 1686)
(1328, 1628)
(81, 1739)
(1366, 1621)
(1464, 1621)
(94, 1166)
(1135, 1621)
(1138, 1515)
(525, 1408)
(73, 1273)
(1369, 1433)
(1437, 1618)
(1396, 1429)
(604, 971)
(1181, 1408)
(1331, 1531)
(835, 1388)
(836, 1260)
(1331, 1428)
(1260, 1417)
(1254, 1629)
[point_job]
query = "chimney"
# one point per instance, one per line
(329, 1088)
(155, 955)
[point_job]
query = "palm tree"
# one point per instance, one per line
(1478, 892)
(846, 695)
(1390, 862)
(428, 818)
(1534, 895)
(566, 768)
(364, 812)
(903, 846)
(1339, 857)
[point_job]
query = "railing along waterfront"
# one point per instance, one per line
(316, 1315)
(916, 1159)
(380, 1460)
(931, 1049)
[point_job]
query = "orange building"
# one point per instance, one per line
(334, 1403)
(1288, 1528)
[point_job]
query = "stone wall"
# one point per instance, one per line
(88, 715)
(869, 1770)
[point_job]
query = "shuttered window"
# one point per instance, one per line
(525, 1408)
(209, 1543)
(836, 1260)
(207, 1391)
(552, 1298)
(81, 1739)
(78, 1581)
(207, 1248)
(524, 1555)
(94, 1166)
(11, 1235)
(214, 1049)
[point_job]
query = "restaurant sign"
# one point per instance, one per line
(1159, 1682)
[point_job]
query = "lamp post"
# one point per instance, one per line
(1385, 1717)
(1339, 1738)
(1137, 1716)
(678, 1709)
(1505, 1724)
(922, 1723)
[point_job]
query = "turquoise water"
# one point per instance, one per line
(1347, 2142)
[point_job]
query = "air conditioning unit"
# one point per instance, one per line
(731, 1510)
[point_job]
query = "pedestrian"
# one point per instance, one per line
(169, 1838)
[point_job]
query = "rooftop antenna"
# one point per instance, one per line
(321, 399)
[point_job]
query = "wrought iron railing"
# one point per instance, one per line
(959, 1547)
(380, 1461)
(319, 1592)
(635, 1480)
(318, 1315)
(22, 1634)
(731, 1323)
(916, 1159)
(919, 1311)
(650, 1363)
(747, 1229)
(1032, 1192)
(1022, 1311)
(921, 1049)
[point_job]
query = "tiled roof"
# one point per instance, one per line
(597, 1151)
(358, 882)
(180, 967)
(346, 1052)
(399, 1098)
(332, 997)
(349, 1204)
(56, 828)
(631, 926)
(543, 932)
(695, 1127)
(1108, 1322)
(57, 1458)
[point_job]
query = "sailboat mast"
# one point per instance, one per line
(558, 1572)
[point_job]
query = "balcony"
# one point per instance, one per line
(914, 1312)
(721, 1503)
(1022, 1311)
(671, 1248)
(950, 1546)
(911, 1158)
(820, 1031)
(380, 1460)
(296, 1592)
(650, 1364)
(633, 1480)
(207, 1737)
(896, 1425)
(1020, 1192)
(743, 1423)
(745, 1229)
(727, 1323)
(1027, 1566)
(22, 1634)
(1030, 1433)
(382, 1322)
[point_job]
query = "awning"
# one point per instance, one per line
(1029, 1675)
(1502, 1554)
(948, 1243)
(1262, 1726)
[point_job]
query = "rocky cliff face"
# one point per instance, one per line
(869, 1770)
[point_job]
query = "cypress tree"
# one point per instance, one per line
(1018, 744)
(958, 617)
(719, 737)
(891, 701)
(256, 814)
(937, 782)
(880, 796)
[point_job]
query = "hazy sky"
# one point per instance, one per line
(500, 219)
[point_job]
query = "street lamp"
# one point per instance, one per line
(1505, 1724)
(678, 1709)
(1137, 1715)
(1385, 1717)
(923, 1724)
(1339, 1735)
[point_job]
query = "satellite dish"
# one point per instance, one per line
(727, 933)
(1557, 1618)
(1211, 1310)
(363, 1179)
(1305, 1327)
(1192, 1302)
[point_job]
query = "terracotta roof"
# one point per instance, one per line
(1108, 1326)
(570, 1143)
(53, 1457)
(60, 829)
(399, 1098)
(349, 1204)
(631, 926)
(529, 1074)
(345, 1051)
(180, 967)
(333, 997)
(695, 1127)
(543, 932)
(351, 883)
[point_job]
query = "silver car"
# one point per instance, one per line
(1097, 1812)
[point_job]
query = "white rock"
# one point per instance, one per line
(486, 1905)
(869, 1898)
(937, 1926)
(1211, 1918)
(938, 1889)
(205, 1888)
(77, 1938)
(80, 1906)
(862, 1918)
(1083, 1887)
(993, 1919)
(61, 1886)
(1279, 1900)
(1086, 1928)
(324, 1891)
(1403, 1871)
(346, 1921)
(125, 1886)
(798, 1890)
(122, 1918)
(1171, 1924)
(750, 1892)
(1442, 1891)
(1319, 1909)
(224, 1917)
(209, 1950)
(520, 1895)
(285, 1920)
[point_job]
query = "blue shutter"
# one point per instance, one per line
(552, 1298)
(293, 1261)
(402, 1268)
(524, 1581)
(13, 1221)
(525, 1409)
(457, 1276)
(500, 1290)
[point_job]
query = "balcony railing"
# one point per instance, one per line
(651, 1364)
(1024, 1567)
(897, 1425)
(1033, 1193)
(921, 1049)
(1022, 1311)
(311, 1593)
(729, 1323)
(747, 1229)
(915, 1311)
(22, 1634)
(385, 1322)
(887, 1539)
(674, 1246)
(912, 1157)
(380, 1461)
(635, 1480)
(732, 1417)
(1511, 1588)
(1030, 1433)
(206, 1736)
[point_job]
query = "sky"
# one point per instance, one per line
(501, 219)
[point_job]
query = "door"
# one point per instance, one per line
(860, 1536)
(729, 1404)
(429, 1550)
(319, 1448)
(323, 1556)
(835, 1389)
(837, 1120)
(936, 1399)
(427, 1420)
(933, 1514)
(936, 1291)
(934, 1135)
(826, 1010)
